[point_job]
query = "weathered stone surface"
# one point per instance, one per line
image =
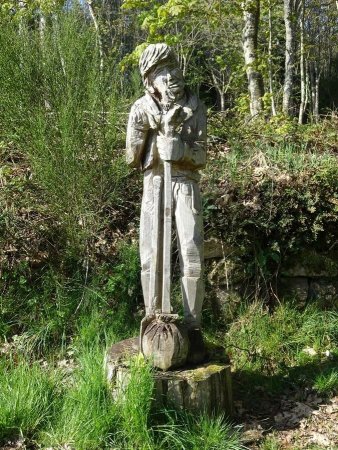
(226, 272)
(215, 248)
(311, 264)
(296, 288)
(165, 344)
(227, 300)
(325, 291)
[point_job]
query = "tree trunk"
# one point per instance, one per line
(315, 74)
(273, 106)
(302, 106)
(98, 35)
(222, 101)
(219, 89)
(251, 10)
(316, 93)
(290, 37)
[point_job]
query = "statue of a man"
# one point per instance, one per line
(169, 124)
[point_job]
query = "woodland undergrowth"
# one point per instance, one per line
(69, 262)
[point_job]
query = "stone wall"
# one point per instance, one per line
(307, 276)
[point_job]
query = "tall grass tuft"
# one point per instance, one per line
(28, 398)
(184, 431)
(134, 407)
(87, 414)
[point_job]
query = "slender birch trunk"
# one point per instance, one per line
(289, 21)
(219, 90)
(303, 87)
(317, 75)
(98, 34)
(251, 11)
(273, 106)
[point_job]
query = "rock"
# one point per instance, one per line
(216, 248)
(294, 288)
(326, 291)
(166, 344)
(228, 300)
(310, 264)
(226, 272)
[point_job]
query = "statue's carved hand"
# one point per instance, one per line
(170, 148)
(171, 119)
(169, 143)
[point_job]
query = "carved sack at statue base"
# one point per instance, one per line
(165, 342)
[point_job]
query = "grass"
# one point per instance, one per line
(270, 443)
(28, 398)
(55, 405)
(86, 417)
(277, 344)
(197, 433)
(278, 162)
(327, 382)
(59, 403)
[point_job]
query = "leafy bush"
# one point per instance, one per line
(270, 201)
(62, 112)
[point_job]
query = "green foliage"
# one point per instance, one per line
(270, 443)
(87, 414)
(47, 315)
(272, 343)
(28, 398)
(61, 111)
(275, 195)
(188, 432)
(134, 406)
(327, 382)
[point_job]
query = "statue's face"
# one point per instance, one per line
(167, 80)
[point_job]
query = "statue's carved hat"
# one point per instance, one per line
(153, 55)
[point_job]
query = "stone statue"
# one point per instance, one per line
(166, 139)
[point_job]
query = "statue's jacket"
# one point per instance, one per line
(189, 142)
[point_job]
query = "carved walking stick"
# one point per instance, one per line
(167, 234)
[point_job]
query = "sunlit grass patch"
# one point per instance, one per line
(272, 343)
(192, 432)
(29, 395)
(270, 443)
(86, 416)
(327, 382)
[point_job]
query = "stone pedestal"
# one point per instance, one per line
(205, 388)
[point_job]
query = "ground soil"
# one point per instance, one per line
(297, 419)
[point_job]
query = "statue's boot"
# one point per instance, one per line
(193, 294)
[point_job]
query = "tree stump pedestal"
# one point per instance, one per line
(203, 388)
